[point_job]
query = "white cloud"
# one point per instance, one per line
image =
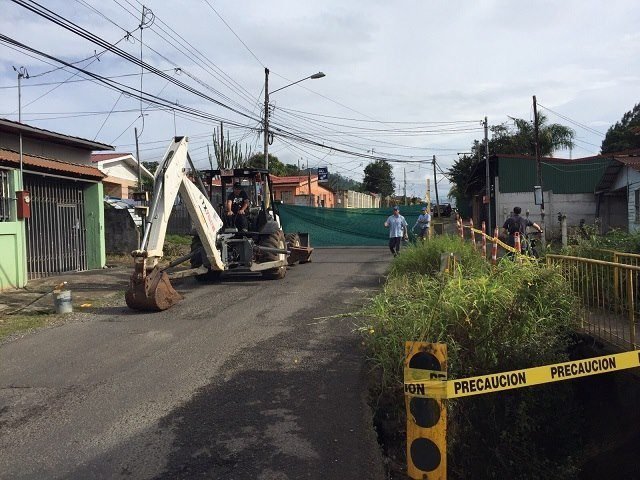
(390, 61)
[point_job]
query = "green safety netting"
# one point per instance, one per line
(336, 227)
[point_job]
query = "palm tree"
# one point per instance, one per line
(520, 138)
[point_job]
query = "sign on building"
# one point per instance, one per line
(323, 174)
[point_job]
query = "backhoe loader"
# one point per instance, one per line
(218, 246)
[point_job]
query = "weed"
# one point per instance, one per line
(497, 319)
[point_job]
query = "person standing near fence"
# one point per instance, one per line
(423, 222)
(397, 226)
(517, 224)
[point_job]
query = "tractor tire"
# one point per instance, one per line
(196, 244)
(292, 240)
(275, 240)
(197, 261)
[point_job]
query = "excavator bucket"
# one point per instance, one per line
(150, 291)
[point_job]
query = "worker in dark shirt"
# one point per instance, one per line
(237, 205)
(519, 224)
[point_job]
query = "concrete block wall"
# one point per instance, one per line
(575, 206)
(121, 234)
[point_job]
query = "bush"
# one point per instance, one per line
(424, 257)
(517, 316)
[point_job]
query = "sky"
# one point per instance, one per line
(405, 80)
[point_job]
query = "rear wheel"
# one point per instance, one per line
(274, 240)
(200, 259)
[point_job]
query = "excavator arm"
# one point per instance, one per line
(149, 286)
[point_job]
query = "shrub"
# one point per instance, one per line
(424, 257)
(518, 316)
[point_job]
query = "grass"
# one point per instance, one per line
(492, 319)
(12, 324)
(179, 239)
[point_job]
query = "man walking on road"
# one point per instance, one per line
(397, 226)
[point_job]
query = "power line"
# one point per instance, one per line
(574, 122)
(234, 33)
(83, 33)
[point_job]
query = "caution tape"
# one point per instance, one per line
(433, 384)
(508, 248)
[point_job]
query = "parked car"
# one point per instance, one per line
(445, 210)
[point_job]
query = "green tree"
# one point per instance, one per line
(625, 134)
(519, 138)
(339, 182)
(378, 178)
(276, 167)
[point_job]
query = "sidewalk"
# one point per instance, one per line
(86, 288)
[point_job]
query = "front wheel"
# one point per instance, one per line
(275, 240)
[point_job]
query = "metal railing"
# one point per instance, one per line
(609, 291)
(7, 197)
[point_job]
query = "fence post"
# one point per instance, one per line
(631, 306)
(473, 234)
(516, 242)
(494, 248)
(461, 228)
(484, 240)
(616, 280)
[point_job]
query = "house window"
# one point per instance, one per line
(637, 205)
(6, 197)
(285, 197)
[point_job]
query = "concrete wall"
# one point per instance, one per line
(13, 247)
(94, 223)
(575, 206)
(352, 199)
(121, 234)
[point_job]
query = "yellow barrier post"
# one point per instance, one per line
(484, 240)
(616, 281)
(473, 234)
(426, 417)
(631, 307)
(494, 249)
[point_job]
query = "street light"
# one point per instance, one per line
(266, 108)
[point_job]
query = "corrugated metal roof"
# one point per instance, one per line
(54, 137)
(11, 158)
(517, 173)
(294, 180)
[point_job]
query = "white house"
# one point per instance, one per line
(121, 170)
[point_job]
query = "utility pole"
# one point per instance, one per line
(435, 184)
(139, 164)
(266, 118)
(309, 182)
(487, 179)
(536, 127)
(405, 185)
(210, 176)
(22, 73)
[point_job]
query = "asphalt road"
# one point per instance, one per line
(242, 380)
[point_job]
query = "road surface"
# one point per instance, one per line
(246, 379)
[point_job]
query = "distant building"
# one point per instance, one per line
(352, 199)
(121, 170)
(295, 190)
(569, 187)
(618, 193)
